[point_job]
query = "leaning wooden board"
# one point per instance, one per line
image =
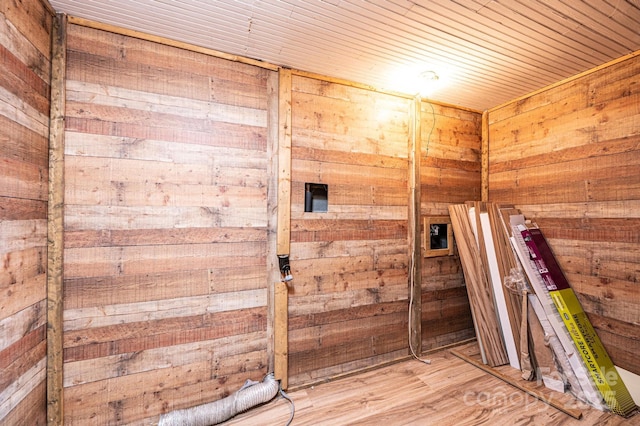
(480, 293)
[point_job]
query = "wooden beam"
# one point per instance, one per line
(284, 162)
(55, 228)
(415, 274)
(281, 368)
(273, 271)
(485, 157)
(283, 231)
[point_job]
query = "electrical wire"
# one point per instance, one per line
(293, 407)
(412, 282)
(433, 126)
(413, 254)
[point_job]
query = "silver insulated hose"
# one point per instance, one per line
(248, 396)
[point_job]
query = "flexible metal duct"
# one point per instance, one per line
(248, 396)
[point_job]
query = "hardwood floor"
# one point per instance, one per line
(450, 391)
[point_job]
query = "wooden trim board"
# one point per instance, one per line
(283, 231)
(273, 269)
(415, 243)
(55, 223)
(504, 316)
(562, 402)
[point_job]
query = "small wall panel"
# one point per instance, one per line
(25, 34)
(450, 174)
(165, 228)
(569, 158)
(348, 304)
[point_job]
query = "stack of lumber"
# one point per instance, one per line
(479, 285)
(520, 300)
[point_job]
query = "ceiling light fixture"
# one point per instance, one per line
(429, 76)
(427, 82)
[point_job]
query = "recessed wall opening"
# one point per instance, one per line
(438, 236)
(316, 197)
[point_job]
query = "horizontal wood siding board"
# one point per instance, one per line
(137, 237)
(211, 133)
(22, 144)
(80, 292)
(351, 158)
(623, 230)
(140, 336)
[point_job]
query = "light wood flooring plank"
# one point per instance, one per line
(450, 391)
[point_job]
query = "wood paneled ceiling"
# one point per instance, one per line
(484, 52)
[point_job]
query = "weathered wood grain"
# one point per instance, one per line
(19, 81)
(12, 372)
(111, 340)
(22, 386)
(80, 292)
(23, 45)
(31, 410)
(25, 72)
(140, 359)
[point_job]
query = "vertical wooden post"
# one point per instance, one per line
(283, 233)
(55, 223)
(485, 157)
(273, 273)
(415, 272)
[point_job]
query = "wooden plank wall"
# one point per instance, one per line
(348, 308)
(450, 174)
(569, 158)
(165, 228)
(25, 37)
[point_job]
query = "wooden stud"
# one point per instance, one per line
(485, 157)
(284, 162)
(415, 274)
(55, 229)
(281, 335)
(283, 231)
(273, 271)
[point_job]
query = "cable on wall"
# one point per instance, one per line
(411, 274)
